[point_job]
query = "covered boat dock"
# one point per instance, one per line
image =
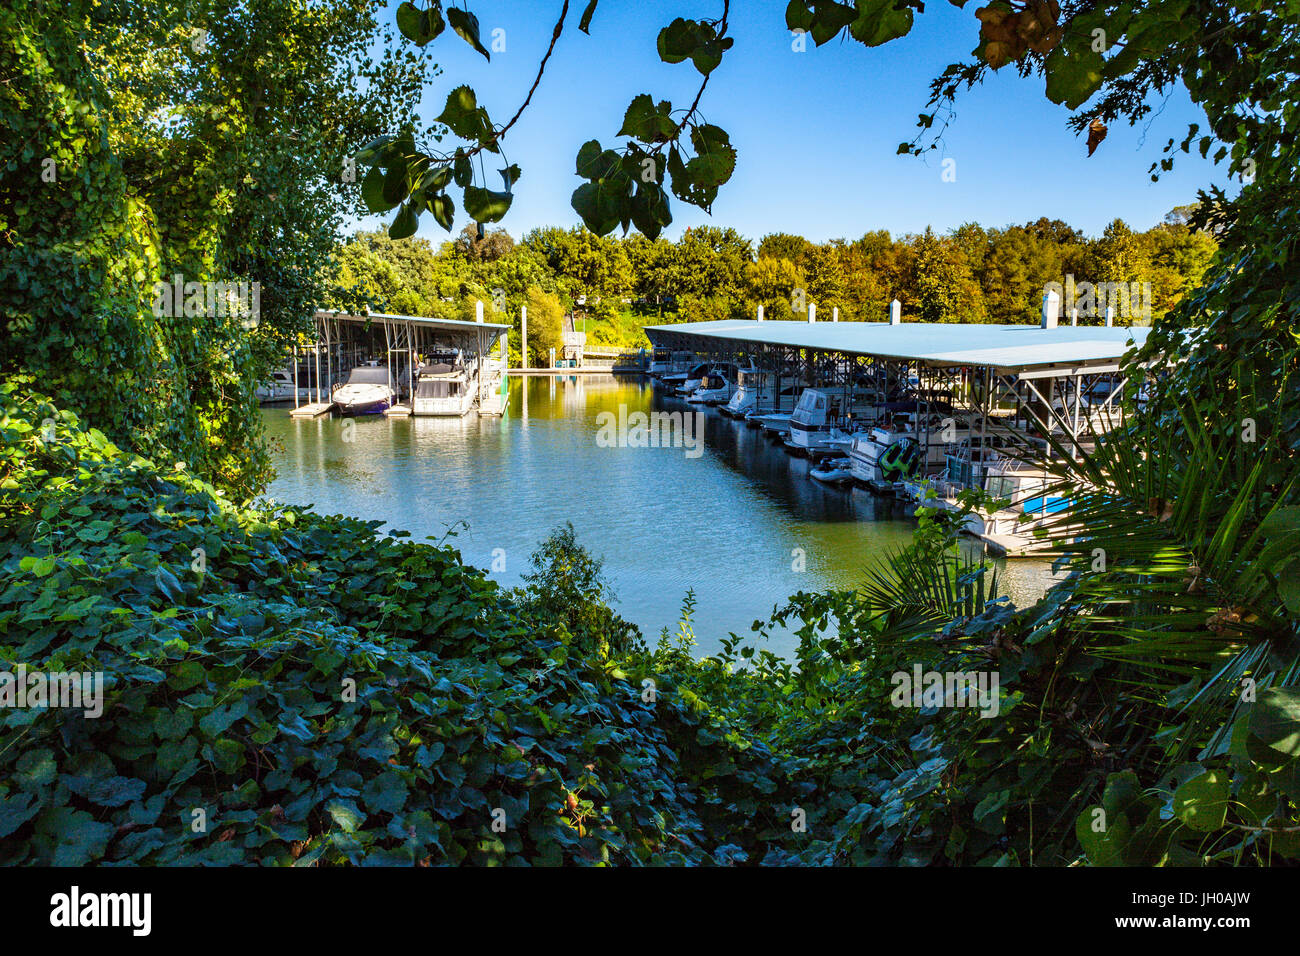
(1016, 392)
(346, 340)
(1029, 366)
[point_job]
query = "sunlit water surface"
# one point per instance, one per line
(742, 524)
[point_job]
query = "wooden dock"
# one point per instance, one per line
(312, 410)
(493, 405)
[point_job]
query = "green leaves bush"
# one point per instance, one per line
(321, 694)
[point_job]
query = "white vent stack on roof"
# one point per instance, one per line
(835, 314)
(1110, 316)
(478, 310)
(895, 313)
(1051, 308)
(760, 313)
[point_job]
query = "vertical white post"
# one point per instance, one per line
(760, 313)
(1110, 316)
(812, 311)
(835, 314)
(1074, 316)
(895, 313)
(523, 336)
(478, 310)
(1051, 308)
(552, 358)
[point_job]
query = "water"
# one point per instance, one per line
(734, 523)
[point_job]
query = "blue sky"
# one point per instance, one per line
(816, 132)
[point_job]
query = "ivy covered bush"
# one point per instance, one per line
(287, 688)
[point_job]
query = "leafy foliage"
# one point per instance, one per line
(324, 695)
(152, 142)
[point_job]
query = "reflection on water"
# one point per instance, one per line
(730, 523)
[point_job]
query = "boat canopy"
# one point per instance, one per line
(1013, 349)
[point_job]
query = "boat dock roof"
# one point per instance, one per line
(418, 321)
(1024, 350)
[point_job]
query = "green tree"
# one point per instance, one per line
(545, 324)
(167, 134)
(946, 289)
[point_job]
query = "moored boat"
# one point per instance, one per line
(368, 391)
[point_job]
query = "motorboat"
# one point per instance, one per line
(822, 415)
(772, 423)
(883, 455)
(280, 387)
(751, 391)
(833, 471)
(366, 392)
(445, 386)
(713, 389)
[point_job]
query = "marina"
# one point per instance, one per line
(919, 411)
(743, 523)
(822, 439)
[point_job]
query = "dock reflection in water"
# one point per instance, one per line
(727, 523)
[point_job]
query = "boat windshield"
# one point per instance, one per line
(811, 401)
(1002, 486)
(369, 375)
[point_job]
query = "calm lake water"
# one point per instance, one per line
(726, 523)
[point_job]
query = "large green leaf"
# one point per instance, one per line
(1202, 802)
(466, 24)
(647, 121)
(1275, 719)
(879, 21)
(1073, 75)
(486, 205)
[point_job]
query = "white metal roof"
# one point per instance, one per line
(1005, 347)
(446, 325)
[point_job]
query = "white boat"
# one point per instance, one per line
(752, 391)
(366, 392)
(821, 416)
(833, 471)
(280, 388)
(714, 389)
(1033, 504)
(445, 386)
(679, 377)
(773, 423)
(883, 455)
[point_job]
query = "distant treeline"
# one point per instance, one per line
(972, 274)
